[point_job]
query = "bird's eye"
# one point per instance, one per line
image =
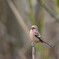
(32, 28)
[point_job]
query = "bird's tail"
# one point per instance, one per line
(40, 40)
(47, 44)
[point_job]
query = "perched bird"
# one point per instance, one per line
(35, 36)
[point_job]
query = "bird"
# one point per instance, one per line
(35, 36)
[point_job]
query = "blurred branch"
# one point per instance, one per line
(18, 16)
(48, 9)
(29, 4)
(21, 54)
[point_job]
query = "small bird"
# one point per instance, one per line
(35, 36)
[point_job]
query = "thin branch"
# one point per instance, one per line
(48, 9)
(33, 51)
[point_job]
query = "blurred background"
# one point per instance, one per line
(16, 18)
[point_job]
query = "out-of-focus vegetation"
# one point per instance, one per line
(16, 18)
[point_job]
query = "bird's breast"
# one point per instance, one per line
(32, 37)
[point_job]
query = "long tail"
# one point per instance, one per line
(47, 44)
(40, 40)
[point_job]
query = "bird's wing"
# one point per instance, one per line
(39, 38)
(36, 33)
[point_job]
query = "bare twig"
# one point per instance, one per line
(33, 51)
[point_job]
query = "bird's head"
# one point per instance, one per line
(34, 27)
